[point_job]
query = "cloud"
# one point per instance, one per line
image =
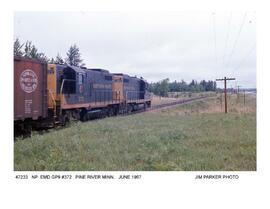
(153, 45)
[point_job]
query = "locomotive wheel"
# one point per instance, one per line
(65, 120)
(110, 112)
(83, 115)
(103, 113)
(144, 106)
(129, 108)
(116, 110)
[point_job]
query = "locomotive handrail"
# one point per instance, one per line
(61, 92)
(54, 102)
(61, 89)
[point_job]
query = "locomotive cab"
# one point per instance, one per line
(72, 81)
(142, 89)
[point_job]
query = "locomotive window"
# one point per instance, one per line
(126, 80)
(69, 87)
(108, 78)
(68, 80)
(51, 71)
(81, 78)
(146, 86)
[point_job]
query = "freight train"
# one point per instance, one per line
(49, 94)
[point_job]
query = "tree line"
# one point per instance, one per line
(164, 86)
(29, 50)
(73, 57)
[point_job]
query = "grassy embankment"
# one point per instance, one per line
(157, 100)
(195, 136)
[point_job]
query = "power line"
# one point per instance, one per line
(215, 41)
(245, 57)
(227, 37)
(236, 40)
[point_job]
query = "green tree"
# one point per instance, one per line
(74, 56)
(183, 86)
(30, 51)
(160, 88)
(203, 83)
(59, 60)
(52, 61)
(164, 87)
(17, 48)
(42, 57)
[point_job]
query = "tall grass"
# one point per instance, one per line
(186, 138)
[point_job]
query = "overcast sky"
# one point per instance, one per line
(183, 45)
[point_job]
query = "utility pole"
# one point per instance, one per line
(221, 101)
(238, 89)
(225, 79)
(238, 92)
(244, 97)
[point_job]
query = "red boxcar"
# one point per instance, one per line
(30, 89)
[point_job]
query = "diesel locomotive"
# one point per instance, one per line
(50, 94)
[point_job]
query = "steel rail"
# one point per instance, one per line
(167, 105)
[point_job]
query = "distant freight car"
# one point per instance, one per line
(30, 91)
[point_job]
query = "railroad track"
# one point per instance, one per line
(168, 105)
(176, 103)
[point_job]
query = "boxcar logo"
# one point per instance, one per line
(28, 81)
